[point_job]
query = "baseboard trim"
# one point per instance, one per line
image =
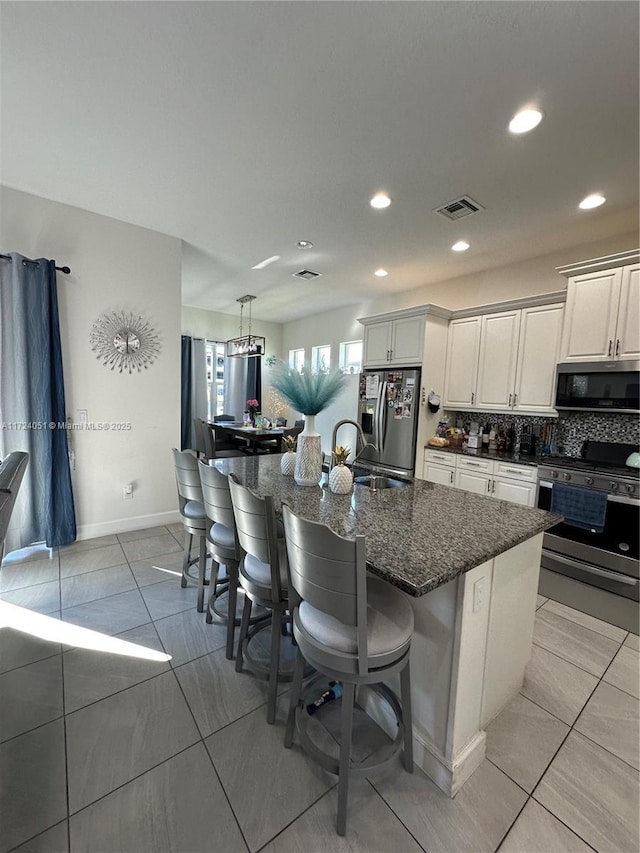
(123, 525)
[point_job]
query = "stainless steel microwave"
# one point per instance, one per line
(598, 386)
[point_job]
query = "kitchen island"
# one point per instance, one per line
(470, 566)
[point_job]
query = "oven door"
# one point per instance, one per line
(608, 560)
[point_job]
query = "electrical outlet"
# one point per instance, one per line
(478, 594)
(83, 416)
(127, 492)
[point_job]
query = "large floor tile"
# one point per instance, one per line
(522, 740)
(76, 562)
(141, 549)
(167, 598)
(584, 619)
(158, 569)
(268, 786)
(216, 693)
(186, 636)
(43, 597)
(594, 793)
(538, 831)
(624, 671)
(27, 574)
(633, 641)
(125, 735)
(90, 676)
(177, 807)
(611, 720)
(111, 615)
(557, 685)
(32, 784)
(30, 696)
(54, 840)
(90, 586)
(581, 646)
(474, 821)
(90, 544)
(371, 826)
(18, 649)
(540, 600)
(367, 734)
(142, 533)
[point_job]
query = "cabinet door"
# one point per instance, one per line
(514, 491)
(438, 474)
(407, 341)
(498, 354)
(538, 354)
(589, 330)
(377, 337)
(463, 346)
(628, 328)
(480, 484)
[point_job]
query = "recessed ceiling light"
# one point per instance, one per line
(593, 200)
(266, 262)
(381, 273)
(460, 246)
(304, 244)
(525, 120)
(380, 201)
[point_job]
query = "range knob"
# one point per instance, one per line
(631, 489)
(554, 475)
(589, 481)
(566, 477)
(613, 486)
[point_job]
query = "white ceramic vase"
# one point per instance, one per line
(308, 470)
(288, 463)
(341, 480)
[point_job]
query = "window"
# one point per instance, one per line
(351, 356)
(296, 359)
(215, 378)
(321, 359)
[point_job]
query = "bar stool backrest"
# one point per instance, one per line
(216, 496)
(209, 440)
(256, 528)
(330, 573)
(187, 477)
(198, 431)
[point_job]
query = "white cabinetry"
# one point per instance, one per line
(439, 467)
(601, 319)
(474, 475)
(394, 342)
(505, 481)
(515, 483)
(504, 361)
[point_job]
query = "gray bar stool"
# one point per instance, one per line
(352, 627)
(194, 519)
(263, 575)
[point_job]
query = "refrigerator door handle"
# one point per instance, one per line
(382, 400)
(383, 419)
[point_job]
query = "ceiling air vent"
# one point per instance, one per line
(307, 274)
(459, 208)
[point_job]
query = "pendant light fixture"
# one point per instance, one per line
(245, 346)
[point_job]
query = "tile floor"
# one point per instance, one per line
(106, 753)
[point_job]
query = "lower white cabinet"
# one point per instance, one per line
(489, 477)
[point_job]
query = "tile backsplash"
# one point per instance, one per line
(573, 427)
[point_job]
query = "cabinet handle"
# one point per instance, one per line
(510, 396)
(473, 464)
(488, 487)
(390, 354)
(473, 398)
(618, 347)
(515, 400)
(451, 476)
(610, 347)
(493, 487)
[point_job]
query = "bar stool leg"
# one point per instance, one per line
(296, 690)
(187, 556)
(346, 732)
(276, 627)
(232, 598)
(202, 562)
(405, 698)
(244, 630)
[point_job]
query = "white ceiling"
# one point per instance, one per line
(243, 127)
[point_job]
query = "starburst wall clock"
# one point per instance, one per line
(124, 341)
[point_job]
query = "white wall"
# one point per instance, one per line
(114, 266)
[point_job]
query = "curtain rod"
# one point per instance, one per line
(65, 270)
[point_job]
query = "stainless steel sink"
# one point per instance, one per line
(380, 482)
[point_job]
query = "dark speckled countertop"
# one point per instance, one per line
(418, 537)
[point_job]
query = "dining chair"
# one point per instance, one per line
(353, 628)
(194, 519)
(262, 576)
(198, 432)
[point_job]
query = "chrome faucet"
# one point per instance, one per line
(360, 437)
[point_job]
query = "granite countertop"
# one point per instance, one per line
(513, 458)
(419, 536)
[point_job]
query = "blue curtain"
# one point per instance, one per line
(32, 403)
(185, 393)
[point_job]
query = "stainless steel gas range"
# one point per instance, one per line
(590, 561)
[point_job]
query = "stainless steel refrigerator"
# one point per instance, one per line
(388, 414)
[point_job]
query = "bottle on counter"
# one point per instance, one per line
(501, 440)
(511, 439)
(492, 438)
(485, 437)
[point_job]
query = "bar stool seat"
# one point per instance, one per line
(194, 510)
(223, 537)
(257, 574)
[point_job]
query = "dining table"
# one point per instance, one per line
(255, 436)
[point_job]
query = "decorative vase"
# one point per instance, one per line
(308, 470)
(288, 464)
(340, 479)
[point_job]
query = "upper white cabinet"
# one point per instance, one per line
(398, 342)
(504, 361)
(601, 319)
